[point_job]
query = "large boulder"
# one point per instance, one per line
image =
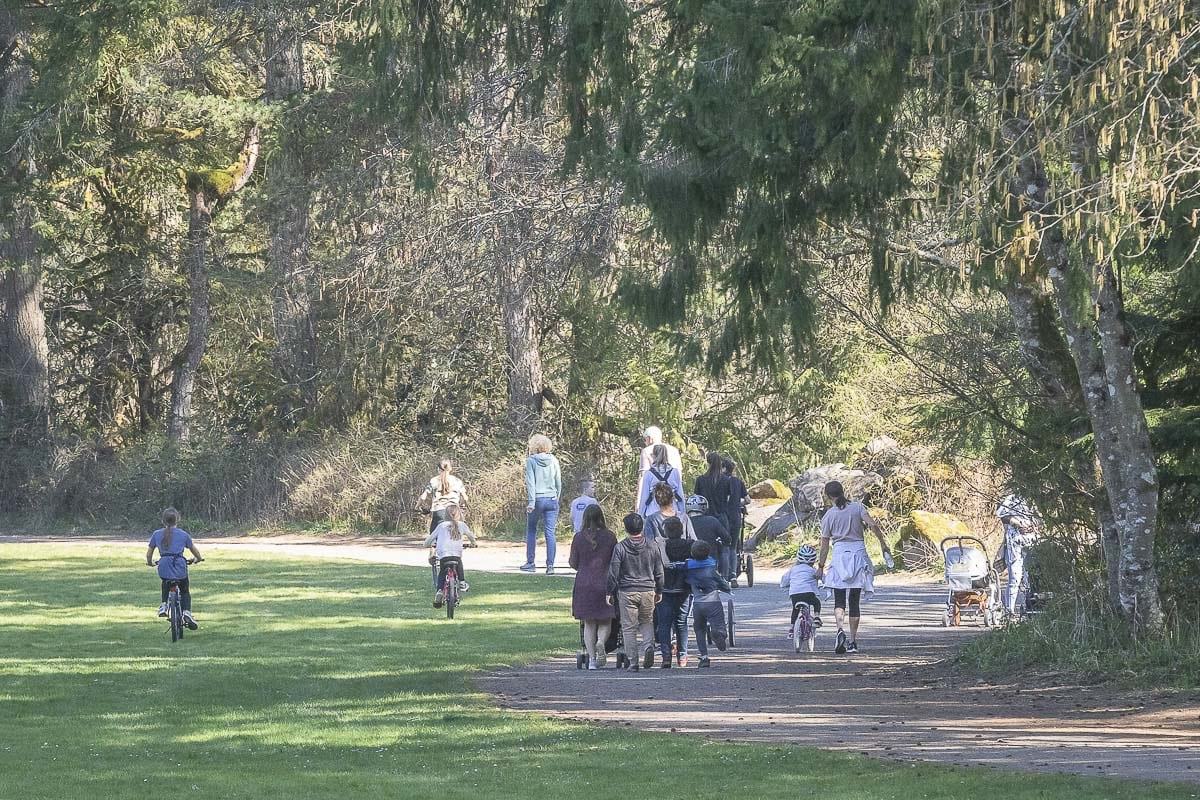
(921, 536)
(770, 489)
(807, 501)
(880, 444)
(787, 516)
(811, 483)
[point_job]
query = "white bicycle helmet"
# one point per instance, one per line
(806, 555)
(697, 503)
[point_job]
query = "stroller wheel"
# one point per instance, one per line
(946, 619)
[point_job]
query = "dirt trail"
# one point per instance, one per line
(896, 699)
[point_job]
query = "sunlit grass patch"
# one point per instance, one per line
(313, 678)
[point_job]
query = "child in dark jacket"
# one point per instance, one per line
(672, 611)
(708, 612)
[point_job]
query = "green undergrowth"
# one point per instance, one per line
(319, 679)
(1068, 638)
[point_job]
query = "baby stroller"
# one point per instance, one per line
(972, 582)
(613, 643)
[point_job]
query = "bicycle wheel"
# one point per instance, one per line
(451, 594)
(749, 571)
(729, 620)
(176, 614)
(797, 632)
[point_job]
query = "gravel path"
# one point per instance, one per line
(896, 699)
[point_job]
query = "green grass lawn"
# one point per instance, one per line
(336, 679)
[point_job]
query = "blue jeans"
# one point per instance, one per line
(545, 509)
(671, 617)
(705, 615)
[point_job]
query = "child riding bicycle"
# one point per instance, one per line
(172, 565)
(801, 583)
(447, 543)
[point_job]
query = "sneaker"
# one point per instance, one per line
(683, 661)
(550, 569)
(648, 659)
(721, 641)
(633, 667)
(162, 610)
(852, 647)
(704, 662)
(816, 622)
(592, 663)
(464, 587)
(789, 632)
(438, 599)
(841, 643)
(528, 567)
(601, 660)
(666, 663)
(190, 621)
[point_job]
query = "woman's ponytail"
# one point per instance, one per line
(837, 494)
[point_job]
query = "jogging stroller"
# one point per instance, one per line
(742, 561)
(613, 644)
(971, 580)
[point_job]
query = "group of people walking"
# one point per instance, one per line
(677, 555)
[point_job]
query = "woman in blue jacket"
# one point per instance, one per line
(543, 486)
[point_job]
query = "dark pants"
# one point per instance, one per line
(185, 592)
(804, 597)
(437, 518)
(670, 616)
(705, 615)
(839, 599)
(444, 565)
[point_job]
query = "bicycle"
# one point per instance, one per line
(175, 602)
(803, 631)
(453, 587)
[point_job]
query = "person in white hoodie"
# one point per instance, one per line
(543, 487)
(801, 583)
(1020, 532)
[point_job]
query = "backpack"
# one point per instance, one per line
(663, 479)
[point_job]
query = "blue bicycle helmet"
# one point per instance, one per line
(806, 555)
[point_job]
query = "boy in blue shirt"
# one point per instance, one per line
(707, 609)
(587, 497)
(172, 564)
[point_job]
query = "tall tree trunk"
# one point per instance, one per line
(183, 382)
(290, 202)
(1139, 499)
(1103, 360)
(24, 351)
(1121, 436)
(1048, 359)
(520, 312)
(207, 190)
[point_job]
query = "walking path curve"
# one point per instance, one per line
(898, 698)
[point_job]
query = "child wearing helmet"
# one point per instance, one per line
(712, 529)
(801, 583)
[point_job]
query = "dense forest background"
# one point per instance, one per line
(267, 260)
